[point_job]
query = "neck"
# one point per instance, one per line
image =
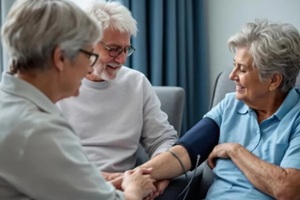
(269, 107)
(44, 81)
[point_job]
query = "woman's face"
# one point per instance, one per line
(249, 88)
(76, 70)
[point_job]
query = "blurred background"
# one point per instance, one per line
(184, 42)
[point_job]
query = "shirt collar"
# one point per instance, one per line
(289, 102)
(21, 88)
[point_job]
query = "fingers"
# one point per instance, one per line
(137, 179)
(161, 186)
(111, 176)
(117, 182)
(211, 161)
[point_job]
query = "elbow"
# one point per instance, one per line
(288, 187)
(288, 194)
(287, 197)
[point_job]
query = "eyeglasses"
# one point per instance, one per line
(116, 51)
(93, 57)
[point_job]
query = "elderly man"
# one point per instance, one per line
(117, 107)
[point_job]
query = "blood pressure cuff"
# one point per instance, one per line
(200, 140)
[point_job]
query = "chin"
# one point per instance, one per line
(76, 93)
(108, 77)
(239, 96)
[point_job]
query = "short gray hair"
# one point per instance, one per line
(34, 28)
(275, 48)
(113, 15)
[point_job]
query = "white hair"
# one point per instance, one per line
(113, 15)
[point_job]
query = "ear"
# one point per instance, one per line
(276, 80)
(58, 59)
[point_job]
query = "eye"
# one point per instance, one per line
(115, 49)
(242, 68)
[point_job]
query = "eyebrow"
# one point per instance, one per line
(240, 63)
(116, 45)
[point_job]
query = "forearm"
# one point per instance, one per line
(166, 166)
(273, 180)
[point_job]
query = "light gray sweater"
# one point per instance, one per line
(112, 117)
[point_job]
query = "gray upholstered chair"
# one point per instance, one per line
(172, 103)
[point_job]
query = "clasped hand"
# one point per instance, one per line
(221, 151)
(117, 179)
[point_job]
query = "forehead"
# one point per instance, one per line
(115, 37)
(243, 56)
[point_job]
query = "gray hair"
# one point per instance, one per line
(275, 48)
(34, 28)
(113, 15)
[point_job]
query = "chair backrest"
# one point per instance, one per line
(222, 86)
(172, 103)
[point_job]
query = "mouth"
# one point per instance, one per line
(113, 65)
(239, 87)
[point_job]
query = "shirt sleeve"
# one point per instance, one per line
(49, 163)
(291, 157)
(157, 133)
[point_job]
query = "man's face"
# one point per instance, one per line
(107, 66)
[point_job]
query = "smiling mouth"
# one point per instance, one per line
(113, 67)
(239, 87)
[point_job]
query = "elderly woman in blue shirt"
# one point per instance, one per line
(251, 139)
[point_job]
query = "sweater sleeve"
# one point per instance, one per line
(157, 133)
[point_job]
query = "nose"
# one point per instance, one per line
(121, 58)
(232, 75)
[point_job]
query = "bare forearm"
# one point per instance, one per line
(166, 166)
(268, 178)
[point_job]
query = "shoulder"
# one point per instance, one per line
(231, 101)
(132, 77)
(129, 72)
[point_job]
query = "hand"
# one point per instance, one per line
(114, 178)
(160, 187)
(220, 151)
(139, 181)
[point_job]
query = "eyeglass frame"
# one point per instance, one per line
(127, 50)
(91, 56)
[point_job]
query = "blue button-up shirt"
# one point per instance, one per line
(276, 140)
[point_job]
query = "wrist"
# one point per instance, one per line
(133, 193)
(235, 147)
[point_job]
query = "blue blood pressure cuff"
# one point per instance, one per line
(200, 140)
